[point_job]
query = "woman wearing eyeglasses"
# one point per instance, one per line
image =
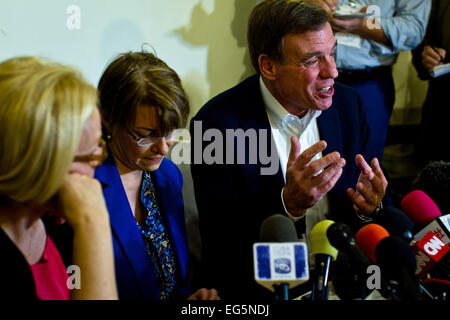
(143, 106)
(49, 147)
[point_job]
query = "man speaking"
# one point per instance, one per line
(318, 132)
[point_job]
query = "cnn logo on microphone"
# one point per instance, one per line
(429, 250)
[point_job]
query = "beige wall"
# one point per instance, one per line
(203, 40)
(410, 92)
(222, 32)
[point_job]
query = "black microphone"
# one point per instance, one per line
(349, 273)
(398, 264)
(396, 223)
(376, 243)
(278, 228)
(341, 237)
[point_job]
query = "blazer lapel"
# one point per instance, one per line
(329, 125)
(255, 118)
(171, 207)
(329, 129)
(125, 230)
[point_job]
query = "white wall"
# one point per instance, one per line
(194, 37)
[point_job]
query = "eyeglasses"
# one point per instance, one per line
(94, 160)
(151, 140)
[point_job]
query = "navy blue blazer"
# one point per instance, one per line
(234, 199)
(135, 275)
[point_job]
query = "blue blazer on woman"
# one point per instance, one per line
(135, 275)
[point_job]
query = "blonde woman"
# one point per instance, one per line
(49, 147)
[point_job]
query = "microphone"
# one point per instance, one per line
(349, 274)
(340, 237)
(396, 223)
(368, 237)
(430, 252)
(324, 253)
(280, 260)
(398, 264)
(424, 212)
(420, 208)
(278, 228)
(396, 260)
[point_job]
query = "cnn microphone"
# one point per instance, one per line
(432, 241)
(324, 253)
(429, 251)
(280, 260)
(424, 212)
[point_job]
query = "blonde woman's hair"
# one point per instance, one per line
(43, 107)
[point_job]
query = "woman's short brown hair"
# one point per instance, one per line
(138, 78)
(271, 20)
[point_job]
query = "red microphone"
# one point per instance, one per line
(368, 237)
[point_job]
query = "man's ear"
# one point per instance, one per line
(267, 67)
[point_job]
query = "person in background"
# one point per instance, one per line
(432, 52)
(143, 104)
(368, 47)
(49, 147)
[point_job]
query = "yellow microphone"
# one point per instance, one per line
(324, 253)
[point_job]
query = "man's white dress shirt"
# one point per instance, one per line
(285, 125)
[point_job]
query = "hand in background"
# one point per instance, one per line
(349, 25)
(432, 57)
(366, 27)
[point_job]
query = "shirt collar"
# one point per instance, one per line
(285, 120)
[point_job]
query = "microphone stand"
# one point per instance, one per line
(281, 292)
(320, 285)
